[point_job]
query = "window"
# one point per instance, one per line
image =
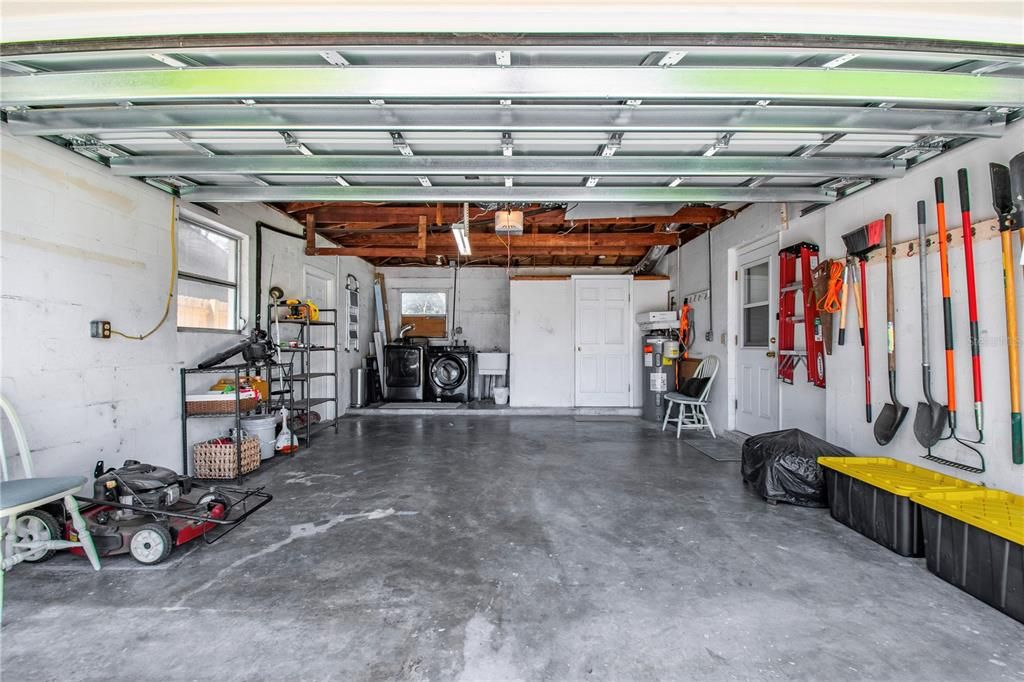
(427, 311)
(208, 266)
(756, 290)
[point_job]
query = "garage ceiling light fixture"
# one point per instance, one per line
(460, 231)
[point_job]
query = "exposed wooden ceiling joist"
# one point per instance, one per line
(367, 216)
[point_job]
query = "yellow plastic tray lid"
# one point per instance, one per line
(892, 475)
(996, 511)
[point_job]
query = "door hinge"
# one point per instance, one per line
(736, 404)
(736, 275)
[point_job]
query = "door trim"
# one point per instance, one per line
(631, 337)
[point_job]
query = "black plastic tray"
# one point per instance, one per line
(892, 521)
(981, 564)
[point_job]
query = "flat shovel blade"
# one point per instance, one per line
(929, 423)
(888, 422)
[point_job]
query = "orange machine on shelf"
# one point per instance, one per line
(297, 310)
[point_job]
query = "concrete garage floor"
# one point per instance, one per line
(508, 548)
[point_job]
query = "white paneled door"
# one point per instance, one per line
(603, 324)
(757, 389)
(321, 288)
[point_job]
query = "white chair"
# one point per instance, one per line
(692, 414)
(32, 536)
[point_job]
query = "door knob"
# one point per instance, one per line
(770, 354)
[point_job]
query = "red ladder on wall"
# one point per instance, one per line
(813, 353)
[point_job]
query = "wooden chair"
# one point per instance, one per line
(31, 536)
(692, 413)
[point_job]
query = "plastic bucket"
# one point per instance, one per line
(501, 395)
(264, 427)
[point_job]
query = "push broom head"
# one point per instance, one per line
(864, 239)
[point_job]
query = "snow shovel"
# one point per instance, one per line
(1002, 202)
(931, 416)
(893, 414)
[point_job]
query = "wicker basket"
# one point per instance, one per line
(226, 406)
(220, 460)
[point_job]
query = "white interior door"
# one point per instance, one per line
(603, 324)
(321, 287)
(757, 388)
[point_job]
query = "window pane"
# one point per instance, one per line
(206, 306)
(424, 303)
(756, 283)
(755, 326)
(207, 253)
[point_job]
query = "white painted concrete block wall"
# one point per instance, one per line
(841, 409)
(77, 244)
(481, 307)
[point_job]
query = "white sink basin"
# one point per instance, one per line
(491, 363)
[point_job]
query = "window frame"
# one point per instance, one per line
(745, 304)
(429, 290)
(235, 287)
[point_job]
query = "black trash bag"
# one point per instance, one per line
(782, 466)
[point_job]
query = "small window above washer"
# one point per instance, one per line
(427, 311)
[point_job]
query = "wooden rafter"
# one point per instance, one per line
(357, 216)
(400, 234)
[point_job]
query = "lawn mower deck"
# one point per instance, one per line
(146, 511)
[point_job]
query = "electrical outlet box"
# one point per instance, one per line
(99, 329)
(708, 336)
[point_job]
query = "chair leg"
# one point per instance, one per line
(679, 421)
(668, 413)
(84, 536)
(707, 420)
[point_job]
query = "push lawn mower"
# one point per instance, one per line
(146, 511)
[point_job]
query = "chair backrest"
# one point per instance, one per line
(708, 369)
(19, 437)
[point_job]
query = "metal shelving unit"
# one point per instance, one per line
(238, 370)
(300, 380)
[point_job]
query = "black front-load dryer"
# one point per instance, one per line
(450, 374)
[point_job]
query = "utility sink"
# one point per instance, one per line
(491, 363)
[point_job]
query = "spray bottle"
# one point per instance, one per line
(286, 443)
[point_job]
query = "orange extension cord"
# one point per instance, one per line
(830, 302)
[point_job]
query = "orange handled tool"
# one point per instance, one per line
(947, 303)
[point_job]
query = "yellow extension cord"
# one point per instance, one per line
(170, 287)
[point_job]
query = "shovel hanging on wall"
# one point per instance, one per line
(893, 413)
(1002, 201)
(931, 416)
